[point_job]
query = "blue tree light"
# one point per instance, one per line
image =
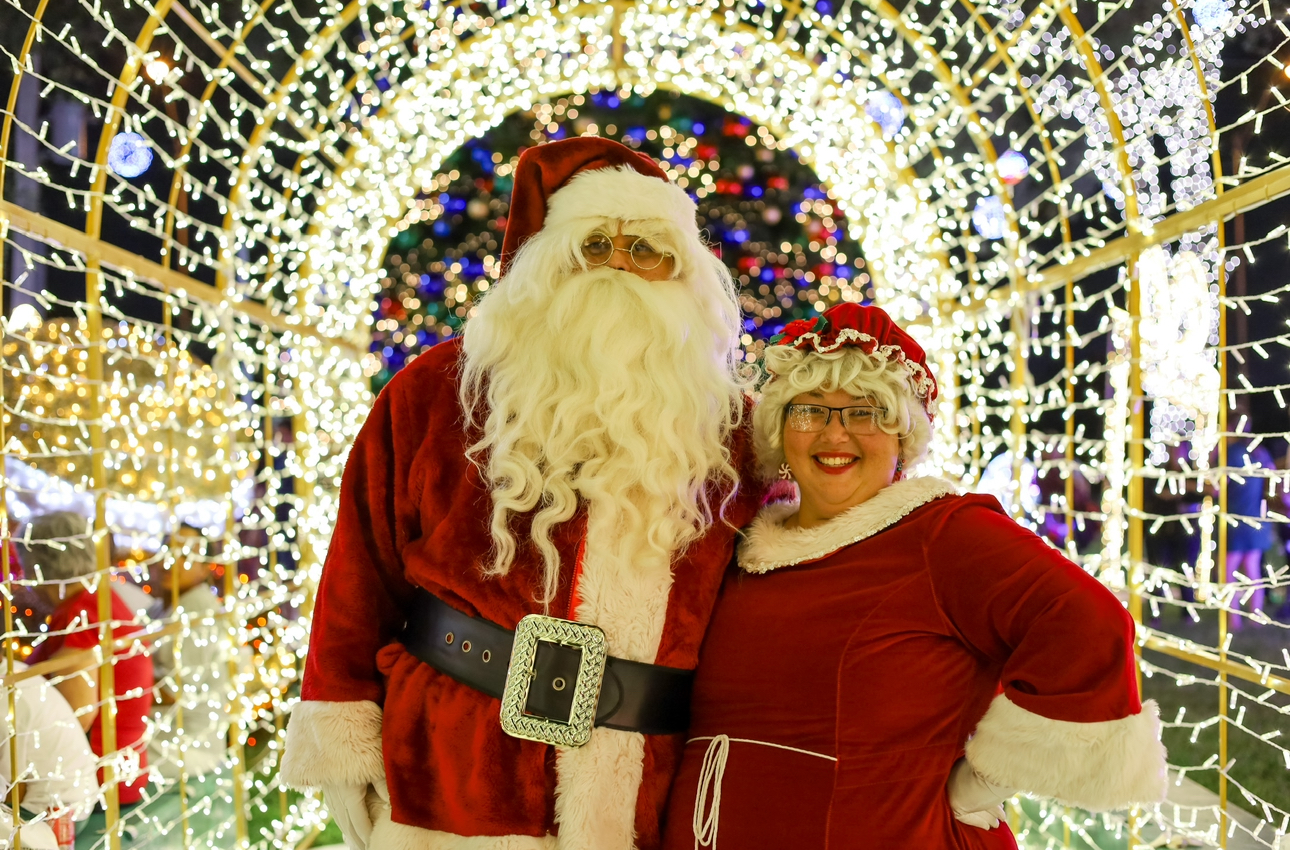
(989, 218)
(129, 155)
(886, 110)
(1012, 167)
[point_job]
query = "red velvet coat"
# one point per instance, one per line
(876, 645)
(414, 512)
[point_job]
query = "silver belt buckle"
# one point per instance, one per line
(586, 690)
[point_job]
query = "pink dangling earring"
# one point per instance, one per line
(784, 472)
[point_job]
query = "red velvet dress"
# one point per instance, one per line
(414, 512)
(878, 642)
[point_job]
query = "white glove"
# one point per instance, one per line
(348, 806)
(974, 800)
(378, 801)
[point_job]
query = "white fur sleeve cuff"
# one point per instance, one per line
(333, 742)
(1098, 766)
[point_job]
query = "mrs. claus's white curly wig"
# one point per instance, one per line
(887, 383)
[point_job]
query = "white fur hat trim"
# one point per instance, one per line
(620, 193)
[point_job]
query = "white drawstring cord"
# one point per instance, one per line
(712, 773)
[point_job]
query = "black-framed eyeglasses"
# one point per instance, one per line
(599, 247)
(860, 420)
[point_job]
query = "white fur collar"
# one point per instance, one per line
(768, 545)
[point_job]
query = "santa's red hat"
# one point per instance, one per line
(589, 177)
(872, 331)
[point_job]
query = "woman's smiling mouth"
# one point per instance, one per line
(834, 464)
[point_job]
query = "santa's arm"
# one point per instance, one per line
(1069, 723)
(334, 735)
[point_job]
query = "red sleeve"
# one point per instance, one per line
(1069, 723)
(84, 612)
(1065, 641)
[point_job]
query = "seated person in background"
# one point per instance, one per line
(136, 598)
(192, 676)
(56, 769)
(35, 836)
(57, 550)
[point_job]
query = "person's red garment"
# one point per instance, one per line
(878, 642)
(414, 511)
(132, 673)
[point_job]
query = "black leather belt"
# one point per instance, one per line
(633, 696)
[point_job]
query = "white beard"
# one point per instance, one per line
(602, 386)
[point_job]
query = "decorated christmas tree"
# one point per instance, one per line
(764, 212)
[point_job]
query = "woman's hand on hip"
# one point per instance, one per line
(974, 800)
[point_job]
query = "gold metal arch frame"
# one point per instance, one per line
(296, 136)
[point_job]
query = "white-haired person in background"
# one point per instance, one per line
(892, 660)
(57, 549)
(192, 676)
(57, 772)
(38, 835)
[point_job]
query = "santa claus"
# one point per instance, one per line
(533, 525)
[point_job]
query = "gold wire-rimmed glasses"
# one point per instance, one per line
(599, 247)
(859, 420)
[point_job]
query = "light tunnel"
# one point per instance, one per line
(1045, 191)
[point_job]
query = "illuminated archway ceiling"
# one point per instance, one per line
(304, 131)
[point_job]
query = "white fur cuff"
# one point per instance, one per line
(1098, 766)
(333, 742)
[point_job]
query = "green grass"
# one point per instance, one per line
(1258, 765)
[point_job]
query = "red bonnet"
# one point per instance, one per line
(872, 331)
